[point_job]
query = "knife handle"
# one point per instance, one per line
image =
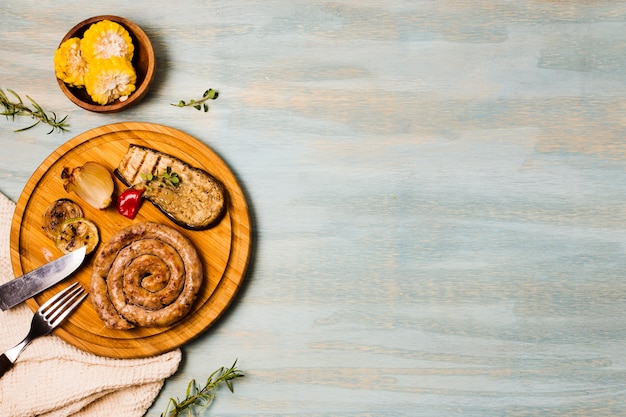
(5, 364)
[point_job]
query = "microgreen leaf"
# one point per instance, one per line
(168, 177)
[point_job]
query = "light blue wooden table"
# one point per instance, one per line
(438, 194)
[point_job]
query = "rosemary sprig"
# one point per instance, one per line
(198, 398)
(199, 104)
(37, 113)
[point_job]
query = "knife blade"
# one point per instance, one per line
(28, 285)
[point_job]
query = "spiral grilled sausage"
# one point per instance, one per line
(148, 275)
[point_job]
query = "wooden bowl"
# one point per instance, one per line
(143, 61)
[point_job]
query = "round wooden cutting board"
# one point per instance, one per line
(223, 249)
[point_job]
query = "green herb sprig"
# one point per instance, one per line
(198, 398)
(199, 104)
(168, 177)
(17, 107)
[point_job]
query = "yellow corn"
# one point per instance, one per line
(106, 39)
(101, 62)
(110, 79)
(69, 65)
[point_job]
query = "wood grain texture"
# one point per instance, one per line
(223, 249)
(437, 192)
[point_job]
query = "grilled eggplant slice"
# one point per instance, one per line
(196, 200)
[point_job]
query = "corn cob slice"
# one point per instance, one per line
(110, 79)
(69, 65)
(106, 39)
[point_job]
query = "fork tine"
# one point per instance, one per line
(55, 310)
(57, 296)
(63, 314)
(59, 306)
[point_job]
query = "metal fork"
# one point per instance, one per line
(46, 319)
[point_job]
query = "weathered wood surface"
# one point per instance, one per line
(438, 194)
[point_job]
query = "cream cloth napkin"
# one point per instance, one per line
(51, 378)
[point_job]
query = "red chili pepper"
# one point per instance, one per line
(129, 202)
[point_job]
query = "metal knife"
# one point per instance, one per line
(28, 285)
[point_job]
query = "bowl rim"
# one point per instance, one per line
(138, 34)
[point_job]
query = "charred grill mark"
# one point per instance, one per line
(155, 169)
(144, 156)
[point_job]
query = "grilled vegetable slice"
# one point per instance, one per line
(76, 233)
(189, 196)
(58, 212)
